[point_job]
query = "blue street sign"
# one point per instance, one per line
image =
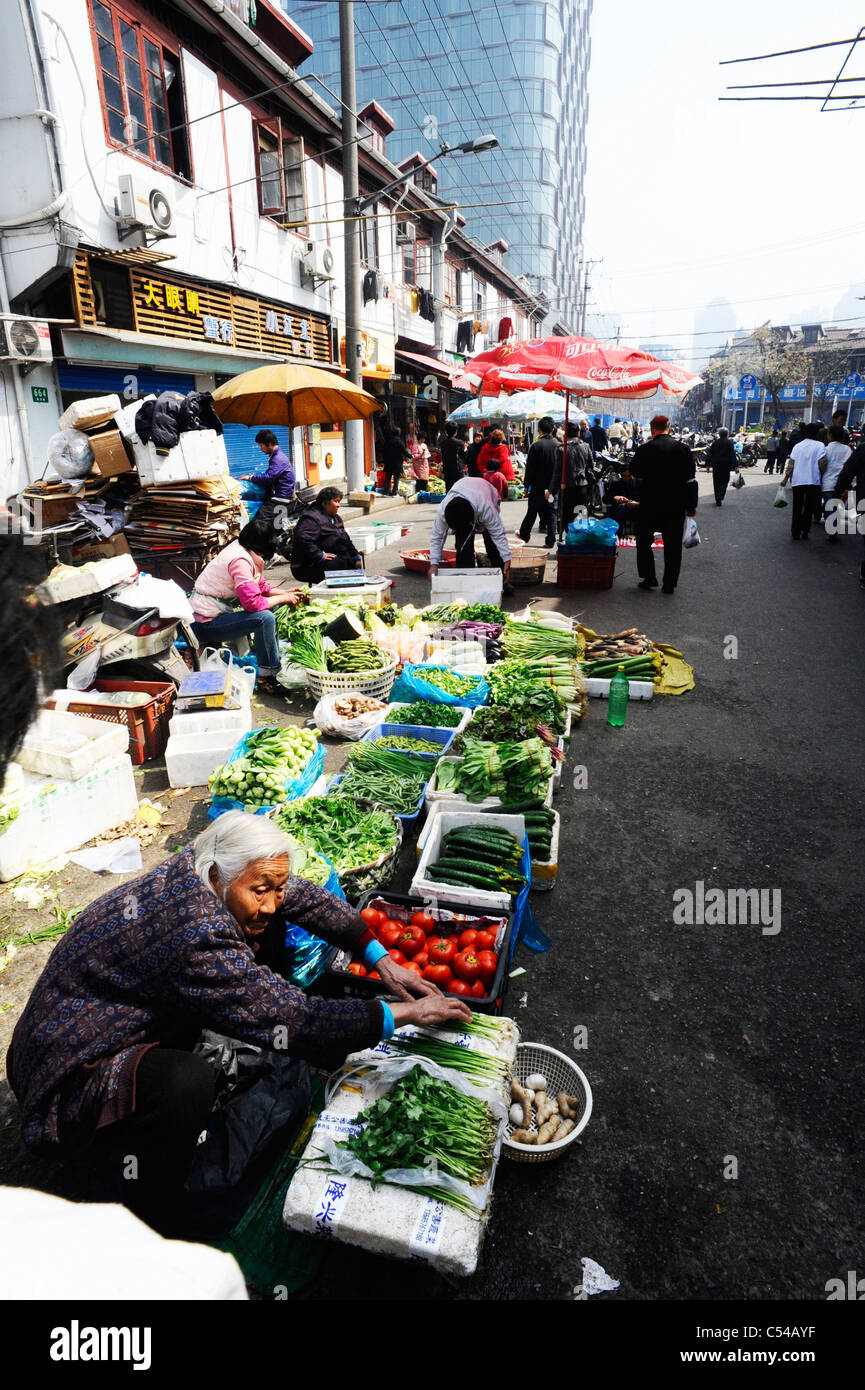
(747, 383)
(854, 379)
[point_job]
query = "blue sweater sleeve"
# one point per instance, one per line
(389, 1025)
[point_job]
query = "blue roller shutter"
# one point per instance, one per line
(244, 455)
(99, 381)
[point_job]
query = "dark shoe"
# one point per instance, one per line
(549, 542)
(508, 590)
(665, 590)
(269, 685)
(648, 584)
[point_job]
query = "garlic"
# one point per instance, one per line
(536, 1082)
(515, 1114)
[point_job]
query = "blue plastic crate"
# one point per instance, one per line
(443, 736)
(407, 820)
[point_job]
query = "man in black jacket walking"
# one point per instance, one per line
(663, 468)
(543, 458)
(721, 454)
(394, 455)
(453, 451)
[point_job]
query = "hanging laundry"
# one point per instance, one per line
(506, 330)
(465, 336)
(426, 305)
(413, 300)
(371, 286)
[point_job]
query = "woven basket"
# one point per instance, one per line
(376, 874)
(562, 1075)
(374, 683)
(528, 565)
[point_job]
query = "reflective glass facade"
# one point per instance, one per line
(448, 71)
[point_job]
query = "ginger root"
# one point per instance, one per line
(523, 1098)
(568, 1105)
(524, 1136)
(564, 1129)
(546, 1108)
(548, 1129)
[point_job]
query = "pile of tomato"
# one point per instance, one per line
(462, 963)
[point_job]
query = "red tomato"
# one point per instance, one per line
(415, 969)
(373, 917)
(485, 941)
(457, 987)
(467, 939)
(389, 933)
(373, 975)
(466, 966)
(411, 941)
(488, 963)
(479, 990)
(356, 969)
(442, 949)
(424, 920)
(438, 974)
(397, 957)
(421, 959)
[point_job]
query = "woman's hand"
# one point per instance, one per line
(432, 1009)
(404, 983)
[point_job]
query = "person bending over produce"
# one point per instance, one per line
(472, 505)
(231, 598)
(103, 1060)
(321, 542)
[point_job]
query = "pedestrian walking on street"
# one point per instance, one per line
(453, 456)
(578, 472)
(664, 468)
(837, 453)
(542, 464)
(771, 451)
(472, 454)
(599, 436)
(722, 456)
(420, 464)
(395, 454)
(495, 457)
(803, 473)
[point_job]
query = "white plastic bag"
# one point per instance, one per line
(780, 497)
(690, 536)
(738, 480)
(338, 726)
(213, 659)
(70, 454)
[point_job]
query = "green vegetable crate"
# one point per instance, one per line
(488, 899)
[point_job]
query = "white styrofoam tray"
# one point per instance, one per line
(599, 689)
(58, 816)
(190, 758)
(214, 720)
(476, 585)
(49, 746)
(424, 887)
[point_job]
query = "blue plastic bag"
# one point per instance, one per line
(291, 790)
(587, 532)
(306, 954)
(412, 686)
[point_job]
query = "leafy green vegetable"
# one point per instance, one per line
(427, 714)
(349, 835)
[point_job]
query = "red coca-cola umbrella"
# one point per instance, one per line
(577, 366)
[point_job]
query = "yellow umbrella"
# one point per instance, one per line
(286, 393)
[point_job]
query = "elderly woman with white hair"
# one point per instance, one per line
(102, 1059)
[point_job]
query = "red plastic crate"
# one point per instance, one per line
(586, 569)
(147, 724)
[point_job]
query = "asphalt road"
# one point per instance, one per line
(712, 1050)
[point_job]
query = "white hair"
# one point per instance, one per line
(233, 842)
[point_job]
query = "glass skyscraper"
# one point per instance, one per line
(448, 70)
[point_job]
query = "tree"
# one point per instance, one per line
(827, 369)
(769, 357)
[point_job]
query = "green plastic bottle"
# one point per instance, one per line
(617, 705)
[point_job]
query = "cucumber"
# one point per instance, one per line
(463, 880)
(472, 866)
(514, 808)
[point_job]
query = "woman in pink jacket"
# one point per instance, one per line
(231, 598)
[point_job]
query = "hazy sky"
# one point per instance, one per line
(690, 199)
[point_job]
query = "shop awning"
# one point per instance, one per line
(429, 364)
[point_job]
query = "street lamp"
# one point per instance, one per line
(479, 145)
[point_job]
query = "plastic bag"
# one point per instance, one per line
(589, 532)
(377, 1083)
(70, 454)
(217, 658)
(411, 686)
(738, 480)
(690, 535)
(299, 786)
(338, 726)
(780, 497)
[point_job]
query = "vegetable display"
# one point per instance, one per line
(636, 668)
(442, 612)
(395, 780)
(478, 856)
(562, 674)
(358, 655)
(532, 1106)
(529, 640)
(509, 771)
(307, 649)
(448, 952)
(350, 836)
(389, 614)
(523, 698)
(405, 743)
(447, 681)
(495, 724)
(351, 706)
(291, 622)
(422, 1118)
(618, 646)
(484, 613)
(271, 757)
(539, 821)
(427, 714)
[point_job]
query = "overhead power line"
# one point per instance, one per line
(786, 52)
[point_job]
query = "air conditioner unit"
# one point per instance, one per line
(148, 216)
(24, 340)
(318, 261)
(406, 232)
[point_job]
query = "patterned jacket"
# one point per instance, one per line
(157, 961)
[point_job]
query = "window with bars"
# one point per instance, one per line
(423, 264)
(368, 228)
(141, 87)
(452, 277)
(281, 182)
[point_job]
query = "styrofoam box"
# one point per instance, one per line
(598, 689)
(392, 716)
(214, 720)
(84, 415)
(476, 585)
(154, 468)
(103, 575)
(47, 746)
(204, 454)
(374, 595)
(433, 794)
(190, 758)
(387, 1220)
(424, 887)
(67, 815)
(124, 418)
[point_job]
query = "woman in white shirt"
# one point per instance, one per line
(837, 454)
(803, 470)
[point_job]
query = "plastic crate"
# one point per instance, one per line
(444, 737)
(393, 712)
(586, 569)
(147, 724)
(405, 821)
(337, 980)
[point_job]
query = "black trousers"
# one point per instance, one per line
(572, 497)
(720, 482)
(671, 526)
(539, 509)
(392, 481)
(465, 544)
(807, 504)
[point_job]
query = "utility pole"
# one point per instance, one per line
(354, 451)
(585, 297)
